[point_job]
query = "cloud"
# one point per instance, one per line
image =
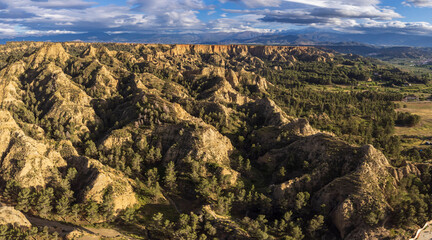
(396, 27)
(7, 30)
(257, 3)
(14, 14)
(54, 4)
(242, 23)
(332, 3)
(171, 14)
(47, 16)
(167, 5)
(340, 15)
(418, 3)
(50, 17)
(322, 15)
(61, 4)
(49, 32)
(355, 12)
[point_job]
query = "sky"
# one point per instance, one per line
(28, 18)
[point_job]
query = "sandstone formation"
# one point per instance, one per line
(8, 215)
(29, 162)
(117, 116)
(96, 179)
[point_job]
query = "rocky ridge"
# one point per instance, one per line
(120, 100)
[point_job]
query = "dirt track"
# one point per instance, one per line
(89, 233)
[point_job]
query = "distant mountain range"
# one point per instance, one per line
(362, 44)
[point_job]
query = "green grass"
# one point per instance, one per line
(423, 129)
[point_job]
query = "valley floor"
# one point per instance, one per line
(423, 130)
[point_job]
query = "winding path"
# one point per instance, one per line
(424, 233)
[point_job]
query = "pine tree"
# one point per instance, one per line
(247, 167)
(107, 207)
(136, 163)
(152, 178)
(315, 224)
(92, 210)
(75, 209)
(23, 200)
(44, 201)
(62, 205)
(170, 176)
(128, 215)
(195, 176)
(11, 190)
(90, 148)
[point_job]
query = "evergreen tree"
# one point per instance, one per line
(170, 176)
(62, 205)
(92, 211)
(43, 205)
(23, 200)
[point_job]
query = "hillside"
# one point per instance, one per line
(204, 142)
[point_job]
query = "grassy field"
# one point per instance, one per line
(421, 90)
(423, 130)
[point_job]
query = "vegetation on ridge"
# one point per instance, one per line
(206, 142)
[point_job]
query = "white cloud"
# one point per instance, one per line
(333, 3)
(55, 4)
(7, 30)
(79, 15)
(418, 3)
(398, 26)
(257, 3)
(171, 13)
(48, 17)
(164, 5)
(50, 32)
(340, 15)
(241, 23)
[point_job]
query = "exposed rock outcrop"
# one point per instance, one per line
(270, 113)
(10, 93)
(8, 215)
(357, 187)
(204, 144)
(96, 179)
(224, 93)
(191, 104)
(29, 162)
(66, 101)
(51, 52)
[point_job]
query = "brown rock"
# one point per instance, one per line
(29, 162)
(97, 178)
(8, 215)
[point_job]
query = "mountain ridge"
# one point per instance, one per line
(133, 126)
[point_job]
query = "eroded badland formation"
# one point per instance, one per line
(118, 133)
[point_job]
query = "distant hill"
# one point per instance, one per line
(382, 52)
(305, 37)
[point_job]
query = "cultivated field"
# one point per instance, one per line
(424, 128)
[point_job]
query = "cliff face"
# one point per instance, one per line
(258, 51)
